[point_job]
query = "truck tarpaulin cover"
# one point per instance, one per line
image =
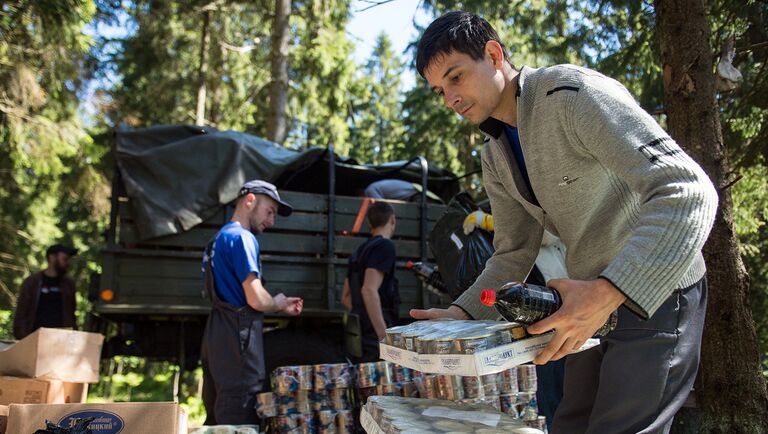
(179, 175)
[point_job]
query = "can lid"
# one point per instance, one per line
(488, 297)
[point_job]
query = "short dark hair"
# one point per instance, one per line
(379, 214)
(455, 31)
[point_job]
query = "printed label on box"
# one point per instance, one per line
(105, 422)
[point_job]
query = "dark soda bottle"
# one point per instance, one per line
(428, 274)
(526, 304)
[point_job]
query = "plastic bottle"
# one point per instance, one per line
(526, 304)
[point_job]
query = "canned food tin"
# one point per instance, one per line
(324, 377)
(305, 423)
(266, 405)
(286, 404)
(306, 377)
(342, 374)
(284, 424)
(384, 373)
(424, 344)
(490, 384)
(472, 345)
(285, 379)
(507, 404)
(340, 399)
(442, 346)
(320, 400)
(449, 387)
(345, 422)
(408, 389)
(526, 378)
(401, 373)
(472, 387)
(387, 390)
(303, 403)
(509, 332)
(394, 336)
(538, 423)
(366, 374)
(508, 381)
(426, 386)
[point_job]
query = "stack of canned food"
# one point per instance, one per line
(453, 337)
(398, 415)
(512, 391)
(310, 399)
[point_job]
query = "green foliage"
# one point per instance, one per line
(376, 119)
(50, 189)
(134, 379)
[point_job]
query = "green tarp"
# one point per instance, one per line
(178, 176)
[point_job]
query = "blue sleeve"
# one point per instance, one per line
(245, 257)
(382, 256)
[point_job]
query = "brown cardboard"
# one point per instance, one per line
(3, 418)
(123, 418)
(54, 354)
(15, 390)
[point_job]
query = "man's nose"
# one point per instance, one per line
(452, 100)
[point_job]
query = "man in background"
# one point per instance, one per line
(371, 288)
(47, 298)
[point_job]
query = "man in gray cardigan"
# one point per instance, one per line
(569, 150)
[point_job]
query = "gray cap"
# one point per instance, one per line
(258, 186)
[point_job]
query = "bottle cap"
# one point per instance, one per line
(488, 297)
(409, 265)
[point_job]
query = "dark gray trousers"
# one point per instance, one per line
(640, 374)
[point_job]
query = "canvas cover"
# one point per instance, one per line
(179, 175)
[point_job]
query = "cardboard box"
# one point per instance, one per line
(490, 361)
(54, 354)
(15, 390)
(123, 418)
(3, 418)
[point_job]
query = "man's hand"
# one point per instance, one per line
(281, 302)
(294, 305)
(586, 306)
(477, 219)
(453, 312)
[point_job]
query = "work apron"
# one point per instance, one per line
(233, 359)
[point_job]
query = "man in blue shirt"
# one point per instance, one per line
(233, 353)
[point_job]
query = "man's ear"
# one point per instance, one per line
(494, 51)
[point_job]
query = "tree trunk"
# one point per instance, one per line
(202, 71)
(219, 62)
(278, 90)
(730, 392)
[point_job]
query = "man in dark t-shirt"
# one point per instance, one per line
(47, 298)
(371, 289)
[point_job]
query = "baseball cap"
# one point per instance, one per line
(258, 186)
(60, 248)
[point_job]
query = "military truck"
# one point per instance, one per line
(174, 188)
